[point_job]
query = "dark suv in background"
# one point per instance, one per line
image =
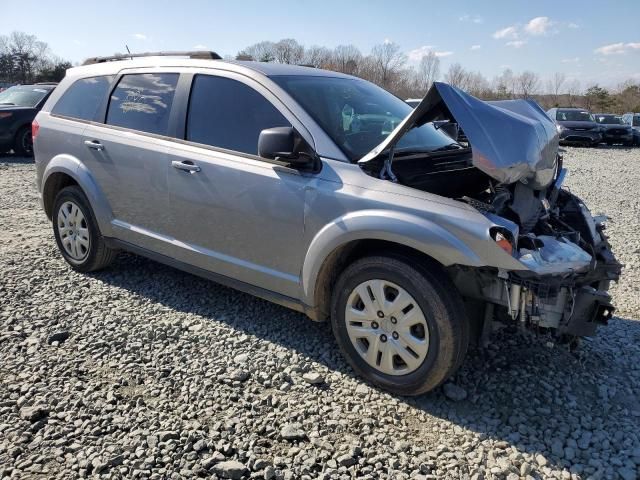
(613, 129)
(576, 126)
(633, 120)
(19, 105)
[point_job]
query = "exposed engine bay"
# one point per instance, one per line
(511, 171)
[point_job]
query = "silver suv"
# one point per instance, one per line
(326, 194)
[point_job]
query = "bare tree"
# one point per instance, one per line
(629, 96)
(319, 57)
(260, 52)
(573, 91)
(347, 58)
(428, 71)
(555, 85)
(288, 50)
(388, 59)
(24, 58)
(478, 85)
(504, 84)
(457, 76)
(528, 83)
(386, 67)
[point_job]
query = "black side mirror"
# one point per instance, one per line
(280, 143)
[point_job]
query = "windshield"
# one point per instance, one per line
(609, 119)
(574, 116)
(358, 115)
(22, 96)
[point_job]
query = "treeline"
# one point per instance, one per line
(25, 59)
(386, 65)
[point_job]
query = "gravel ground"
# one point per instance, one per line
(142, 371)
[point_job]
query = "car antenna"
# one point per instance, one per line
(128, 51)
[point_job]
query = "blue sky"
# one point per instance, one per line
(591, 40)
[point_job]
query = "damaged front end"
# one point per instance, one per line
(511, 172)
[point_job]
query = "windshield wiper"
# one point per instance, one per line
(6, 103)
(451, 146)
(427, 151)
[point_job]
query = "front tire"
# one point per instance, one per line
(77, 233)
(400, 325)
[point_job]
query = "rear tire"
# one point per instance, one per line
(77, 233)
(23, 143)
(381, 342)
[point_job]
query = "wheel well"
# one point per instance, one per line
(56, 182)
(346, 254)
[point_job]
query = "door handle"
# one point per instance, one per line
(186, 165)
(94, 144)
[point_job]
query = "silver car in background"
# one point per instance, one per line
(326, 194)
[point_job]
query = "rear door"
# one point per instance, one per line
(236, 214)
(127, 155)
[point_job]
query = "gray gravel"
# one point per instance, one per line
(142, 371)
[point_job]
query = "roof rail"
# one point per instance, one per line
(199, 54)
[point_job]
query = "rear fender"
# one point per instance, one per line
(74, 168)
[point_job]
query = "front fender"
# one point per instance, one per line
(74, 168)
(402, 228)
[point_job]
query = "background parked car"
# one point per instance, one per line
(613, 129)
(576, 126)
(633, 120)
(18, 107)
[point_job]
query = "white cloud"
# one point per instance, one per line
(617, 48)
(507, 32)
(200, 47)
(387, 41)
(471, 18)
(416, 54)
(475, 47)
(571, 60)
(139, 36)
(573, 25)
(516, 43)
(538, 26)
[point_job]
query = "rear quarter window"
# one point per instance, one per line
(143, 102)
(83, 98)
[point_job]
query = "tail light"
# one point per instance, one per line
(35, 128)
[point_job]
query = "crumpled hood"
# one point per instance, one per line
(511, 140)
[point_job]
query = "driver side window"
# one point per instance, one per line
(228, 114)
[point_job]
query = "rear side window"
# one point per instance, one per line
(83, 98)
(228, 114)
(143, 102)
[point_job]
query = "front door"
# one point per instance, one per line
(232, 212)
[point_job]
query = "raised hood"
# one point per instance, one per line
(511, 140)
